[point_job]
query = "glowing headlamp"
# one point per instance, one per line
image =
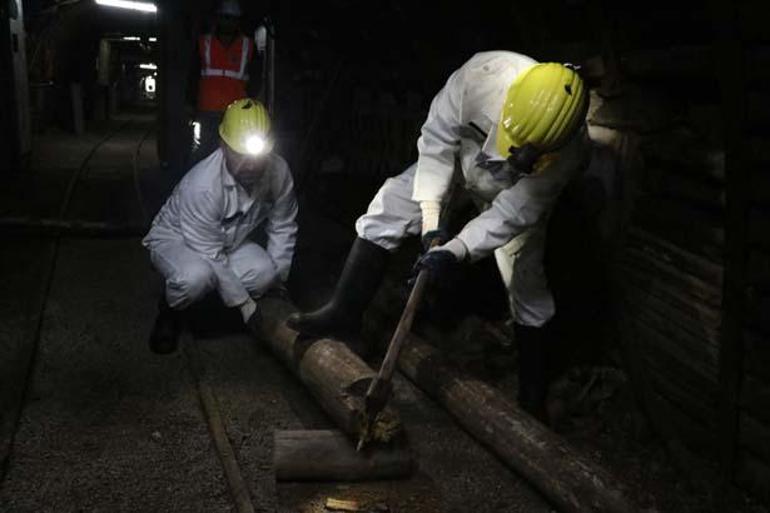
(256, 145)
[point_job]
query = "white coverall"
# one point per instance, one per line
(199, 239)
(461, 129)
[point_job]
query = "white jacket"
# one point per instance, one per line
(214, 215)
(462, 126)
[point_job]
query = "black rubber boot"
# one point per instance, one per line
(164, 338)
(533, 379)
(358, 283)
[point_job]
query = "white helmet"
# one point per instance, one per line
(230, 8)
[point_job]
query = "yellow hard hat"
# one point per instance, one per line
(543, 107)
(245, 127)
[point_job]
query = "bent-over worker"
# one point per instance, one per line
(516, 129)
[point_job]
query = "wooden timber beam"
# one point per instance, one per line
(333, 374)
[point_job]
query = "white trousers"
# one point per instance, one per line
(189, 276)
(393, 215)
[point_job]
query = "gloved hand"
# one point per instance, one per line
(438, 262)
(438, 236)
(441, 260)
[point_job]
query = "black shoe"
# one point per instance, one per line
(360, 279)
(164, 338)
(533, 380)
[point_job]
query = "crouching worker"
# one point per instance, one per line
(199, 241)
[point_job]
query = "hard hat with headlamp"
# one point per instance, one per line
(245, 127)
(542, 110)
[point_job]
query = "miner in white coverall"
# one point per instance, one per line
(513, 131)
(199, 241)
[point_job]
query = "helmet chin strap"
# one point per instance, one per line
(523, 159)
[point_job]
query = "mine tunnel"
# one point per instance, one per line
(384, 256)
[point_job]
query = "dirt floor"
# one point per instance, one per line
(107, 426)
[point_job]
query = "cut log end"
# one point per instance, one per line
(329, 455)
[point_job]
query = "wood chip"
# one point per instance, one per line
(342, 505)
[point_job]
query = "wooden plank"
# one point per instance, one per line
(704, 350)
(329, 455)
(700, 404)
(692, 263)
(668, 292)
(700, 369)
(695, 227)
(681, 283)
(682, 150)
(657, 311)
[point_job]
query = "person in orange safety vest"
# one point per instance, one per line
(229, 71)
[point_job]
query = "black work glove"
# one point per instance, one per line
(438, 236)
(439, 264)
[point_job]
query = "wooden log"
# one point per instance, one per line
(548, 462)
(570, 481)
(695, 264)
(333, 374)
(329, 455)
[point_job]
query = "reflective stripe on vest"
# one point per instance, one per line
(208, 71)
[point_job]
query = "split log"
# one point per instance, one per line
(327, 455)
(333, 374)
(571, 482)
